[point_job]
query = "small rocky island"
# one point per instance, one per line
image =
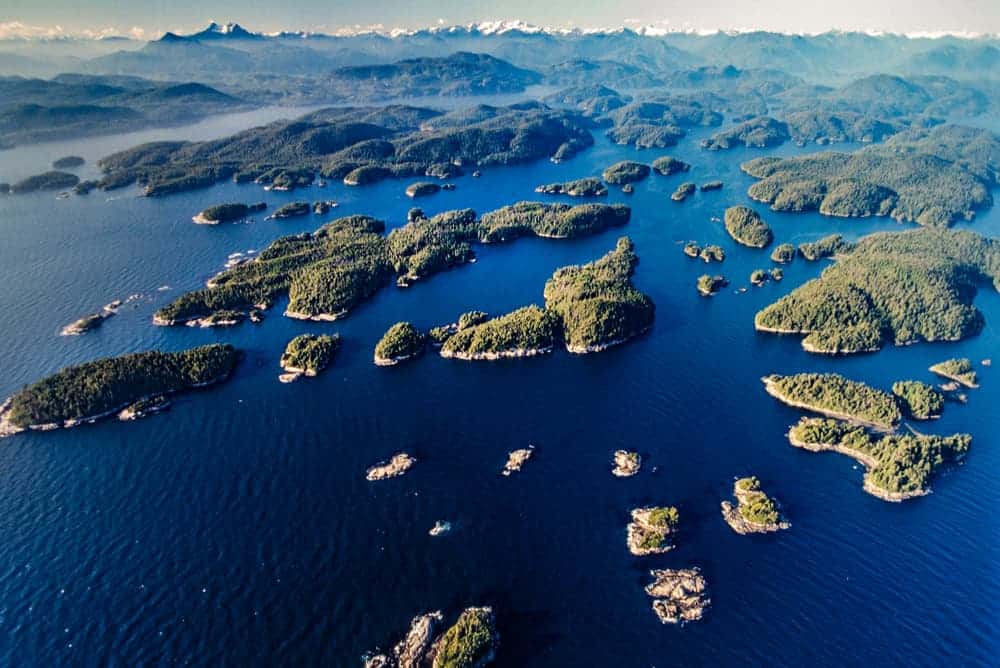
(587, 187)
(684, 191)
(651, 529)
(517, 459)
(755, 511)
(422, 189)
(680, 595)
(898, 466)
(94, 390)
(712, 253)
(625, 172)
(711, 185)
(401, 342)
(227, 213)
(290, 210)
(783, 253)
(307, 355)
(758, 277)
(627, 464)
(471, 642)
(399, 464)
(668, 166)
(959, 370)
(747, 227)
(709, 285)
(91, 322)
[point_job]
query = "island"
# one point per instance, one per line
(898, 466)
(755, 511)
(692, 249)
(709, 285)
(470, 643)
(225, 213)
(517, 459)
(833, 395)
(828, 246)
(626, 171)
(899, 288)
(526, 332)
(587, 187)
(747, 227)
(651, 529)
(69, 162)
(711, 185)
(92, 321)
(87, 392)
(918, 400)
(397, 465)
(54, 180)
(680, 595)
(783, 253)
(760, 132)
(401, 342)
(627, 464)
(422, 189)
(958, 370)
(550, 221)
(776, 273)
(684, 191)
(290, 210)
(758, 277)
(440, 528)
(596, 302)
(425, 246)
(712, 253)
(668, 166)
(307, 355)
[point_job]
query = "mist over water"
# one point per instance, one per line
(238, 528)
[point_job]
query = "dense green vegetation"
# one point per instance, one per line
(668, 166)
(651, 529)
(826, 247)
(95, 388)
(832, 393)
(756, 133)
(783, 253)
(930, 176)
(223, 213)
(712, 253)
(754, 505)
(626, 171)
(327, 272)
(683, 191)
(523, 331)
(401, 341)
(596, 302)
(472, 318)
(586, 187)
(903, 288)
(919, 400)
(747, 227)
(358, 145)
(310, 353)
(291, 210)
(68, 162)
(899, 466)
(469, 642)
(422, 189)
(957, 369)
(559, 221)
(53, 180)
(428, 245)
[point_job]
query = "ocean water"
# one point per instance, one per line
(238, 528)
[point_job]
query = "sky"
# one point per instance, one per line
(149, 19)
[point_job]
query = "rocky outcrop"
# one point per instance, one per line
(680, 595)
(627, 463)
(397, 466)
(517, 458)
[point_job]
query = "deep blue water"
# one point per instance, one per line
(238, 528)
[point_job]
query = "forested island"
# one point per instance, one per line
(526, 332)
(755, 511)
(783, 253)
(893, 287)
(933, 177)
(899, 467)
(358, 145)
(597, 303)
(651, 530)
(958, 370)
(291, 210)
(68, 162)
(683, 191)
(708, 285)
(53, 180)
(835, 396)
(587, 187)
(746, 226)
(471, 642)
(668, 166)
(626, 171)
(308, 354)
(401, 342)
(422, 189)
(552, 221)
(93, 390)
(228, 212)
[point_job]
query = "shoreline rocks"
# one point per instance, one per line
(91, 322)
(650, 530)
(680, 595)
(493, 356)
(144, 408)
(627, 464)
(516, 459)
(399, 464)
(440, 528)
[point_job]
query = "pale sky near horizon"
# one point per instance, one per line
(148, 19)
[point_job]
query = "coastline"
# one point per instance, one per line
(774, 392)
(503, 354)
